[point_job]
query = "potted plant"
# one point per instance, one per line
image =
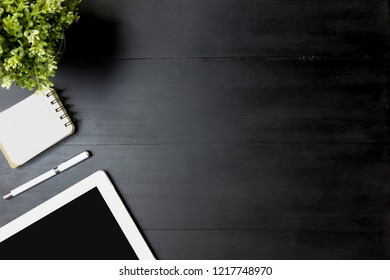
(31, 40)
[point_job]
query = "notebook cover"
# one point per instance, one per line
(12, 164)
(61, 112)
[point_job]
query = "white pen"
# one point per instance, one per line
(60, 168)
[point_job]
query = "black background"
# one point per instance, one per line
(233, 129)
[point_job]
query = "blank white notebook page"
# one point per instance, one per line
(32, 126)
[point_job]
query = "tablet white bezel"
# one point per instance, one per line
(100, 180)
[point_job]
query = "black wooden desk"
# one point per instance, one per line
(241, 129)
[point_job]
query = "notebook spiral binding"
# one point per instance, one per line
(61, 107)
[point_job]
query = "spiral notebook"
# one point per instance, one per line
(32, 126)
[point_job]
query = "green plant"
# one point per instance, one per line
(31, 38)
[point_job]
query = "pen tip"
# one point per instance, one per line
(8, 196)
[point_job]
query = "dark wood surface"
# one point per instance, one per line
(240, 129)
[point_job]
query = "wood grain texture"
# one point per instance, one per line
(236, 129)
(269, 245)
(233, 28)
(229, 101)
(330, 192)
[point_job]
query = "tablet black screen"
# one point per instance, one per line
(83, 229)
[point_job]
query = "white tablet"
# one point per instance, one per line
(88, 221)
